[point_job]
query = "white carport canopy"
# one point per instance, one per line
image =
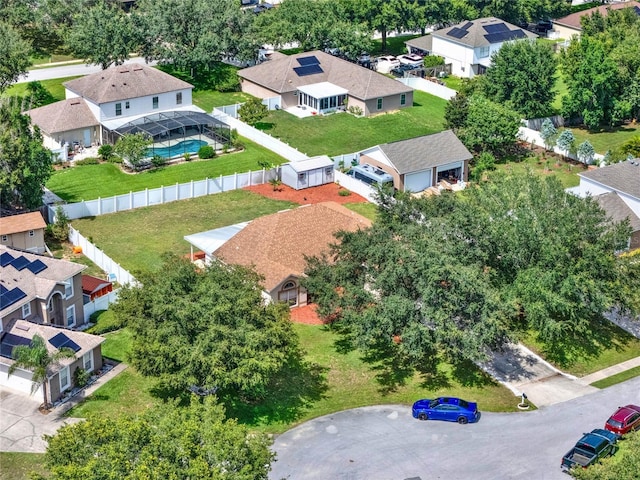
(323, 90)
(211, 240)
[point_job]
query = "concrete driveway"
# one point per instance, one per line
(386, 443)
(22, 426)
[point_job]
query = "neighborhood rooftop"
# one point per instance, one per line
(124, 82)
(69, 114)
(623, 177)
(285, 75)
(483, 32)
(573, 20)
(21, 223)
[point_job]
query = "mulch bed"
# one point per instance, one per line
(306, 315)
(323, 193)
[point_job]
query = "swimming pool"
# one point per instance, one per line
(187, 146)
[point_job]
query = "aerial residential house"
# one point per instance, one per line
(319, 83)
(617, 189)
(468, 46)
(42, 295)
(276, 245)
(570, 25)
(421, 162)
(24, 231)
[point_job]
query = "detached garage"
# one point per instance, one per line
(422, 162)
(312, 172)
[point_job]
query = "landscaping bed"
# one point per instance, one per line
(323, 193)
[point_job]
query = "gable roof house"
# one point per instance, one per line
(568, 26)
(276, 245)
(617, 189)
(43, 295)
(322, 83)
(421, 162)
(468, 46)
(97, 105)
(24, 231)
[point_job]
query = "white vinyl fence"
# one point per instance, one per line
(261, 138)
(356, 186)
(100, 258)
(533, 136)
(272, 103)
(101, 303)
(429, 87)
(345, 160)
(158, 196)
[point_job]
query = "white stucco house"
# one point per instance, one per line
(468, 46)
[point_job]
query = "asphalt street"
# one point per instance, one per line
(387, 443)
(61, 71)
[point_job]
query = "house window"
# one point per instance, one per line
(65, 379)
(5, 238)
(302, 176)
(179, 98)
(26, 310)
(328, 171)
(379, 104)
(32, 233)
(289, 294)
(403, 99)
(87, 361)
(118, 109)
(484, 52)
(155, 102)
(68, 288)
(71, 316)
(126, 105)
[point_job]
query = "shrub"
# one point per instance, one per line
(87, 161)
(158, 161)
(206, 152)
(60, 228)
(105, 152)
(355, 110)
(484, 162)
(433, 61)
(275, 183)
(344, 193)
(115, 159)
(105, 321)
(187, 157)
(80, 377)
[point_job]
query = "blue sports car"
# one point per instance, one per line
(446, 408)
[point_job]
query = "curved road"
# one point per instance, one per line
(62, 70)
(386, 443)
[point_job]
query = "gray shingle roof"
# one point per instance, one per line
(477, 35)
(63, 116)
(278, 75)
(623, 177)
(124, 82)
(617, 210)
(423, 43)
(424, 152)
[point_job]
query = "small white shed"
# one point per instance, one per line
(307, 173)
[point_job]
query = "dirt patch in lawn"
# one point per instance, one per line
(323, 193)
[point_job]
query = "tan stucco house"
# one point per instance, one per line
(24, 231)
(324, 83)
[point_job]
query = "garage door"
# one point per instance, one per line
(417, 181)
(20, 381)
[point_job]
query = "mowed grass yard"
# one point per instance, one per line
(138, 238)
(89, 182)
(565, 172)
(345, 133)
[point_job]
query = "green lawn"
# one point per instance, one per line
(607, 138)
(344, 133)
(89, 182)
(207, 99)
(54, 86)
(395, 45)
(137, 238)
(16, 466)
(605, 345)
(368, 210)
(617, 378)
(566, 172)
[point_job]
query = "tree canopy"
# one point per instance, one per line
(25, 165)
(207, 328)
(14, 55)
(168, 441)
(459, 273)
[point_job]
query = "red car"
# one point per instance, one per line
(624, 420)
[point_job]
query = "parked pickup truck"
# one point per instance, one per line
(590, 449)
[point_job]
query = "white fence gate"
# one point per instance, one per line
(356, 186)
(429, 87)
(100, 303)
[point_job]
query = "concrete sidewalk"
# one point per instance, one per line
(608, 372)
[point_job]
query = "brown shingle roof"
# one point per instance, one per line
(276, 244)
(124, 82)
(476, 35)
(623, 177)
(617, 210)
(573, 20)
(278, 75)
(21, 223)
(63, 116)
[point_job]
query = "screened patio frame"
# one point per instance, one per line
(165, 128)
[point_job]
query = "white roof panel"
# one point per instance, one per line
(322, 90)
(211, 240)
(311, 163)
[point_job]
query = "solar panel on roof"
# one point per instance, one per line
(5, 259)
(457, 32)
(62, 341)
(310, 60)
(504, 36)
(466, 26)
(36, 266)
(307, 70)
(10, 297)
(495, 28)
(3, 289)
(9, 341)
(20, 263)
